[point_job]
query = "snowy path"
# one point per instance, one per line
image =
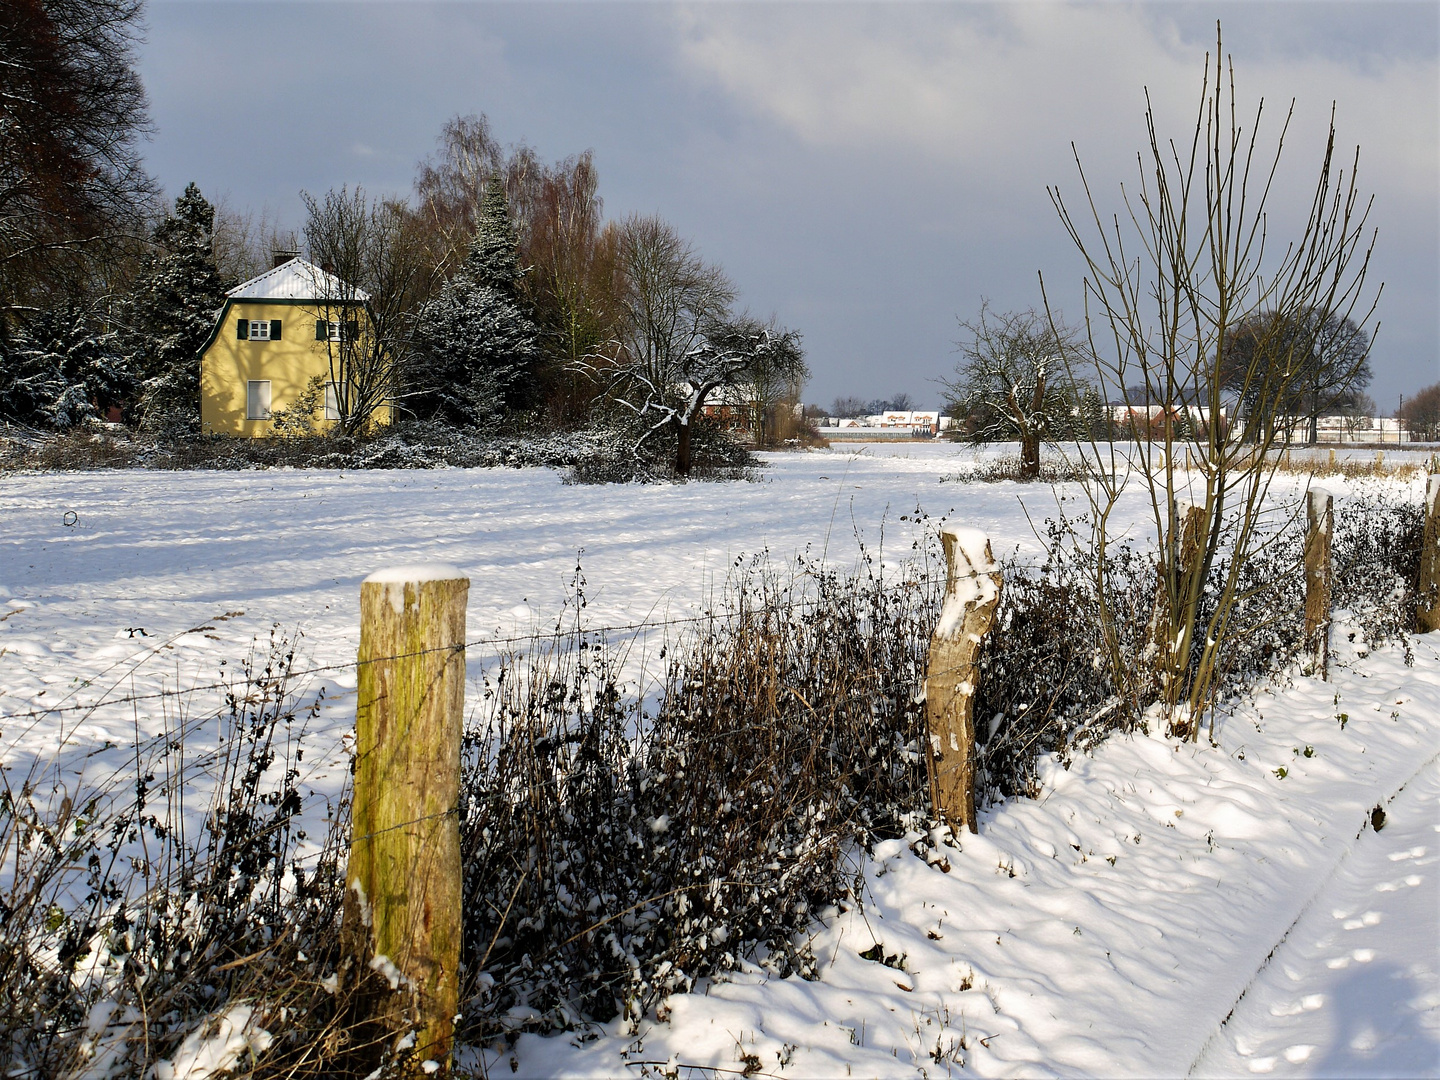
(1355, 988)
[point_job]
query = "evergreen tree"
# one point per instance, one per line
(476, 346)
(60, 371)
(172, 312)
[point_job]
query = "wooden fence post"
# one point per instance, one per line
(402, 897)
(1320, 527)
(972, 593)
(1427, 614)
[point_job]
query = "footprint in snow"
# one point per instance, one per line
(1413, 853)
(1370, 918)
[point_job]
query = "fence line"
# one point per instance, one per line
(42, 712)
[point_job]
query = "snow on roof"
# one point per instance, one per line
(296, 280)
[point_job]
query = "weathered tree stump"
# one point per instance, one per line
(1320, 527)
(1427, 613)
(402, 898)
(972, 593)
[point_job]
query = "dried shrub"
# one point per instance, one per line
(126, 933)
(998, 470)
(1376, 553)
(619, 846)
(594, 455)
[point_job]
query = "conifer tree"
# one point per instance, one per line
(59, 370)
(477, 347)
(172, 312)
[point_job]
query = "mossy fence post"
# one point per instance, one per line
(1320, 527)
(1427, 613)
(403, 890)
(972, 593)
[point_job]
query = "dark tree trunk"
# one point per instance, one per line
(682, 448)
(1030, 456)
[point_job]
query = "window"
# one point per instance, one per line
(332, 402)
(333, 330)
(258, 329)
(257, 399)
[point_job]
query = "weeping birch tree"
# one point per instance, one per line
(1181, 267)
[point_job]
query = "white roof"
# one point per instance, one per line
(296, 280)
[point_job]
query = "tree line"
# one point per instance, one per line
(1028, 377)
(497, 293)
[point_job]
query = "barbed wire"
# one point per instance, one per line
(789, 605)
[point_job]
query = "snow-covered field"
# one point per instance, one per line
(1109, 927)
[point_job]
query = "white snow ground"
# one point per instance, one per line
(1107, 928)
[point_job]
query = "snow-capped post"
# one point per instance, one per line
(402, 896)
(972, 593)
(1427, 613)
(1320, 522)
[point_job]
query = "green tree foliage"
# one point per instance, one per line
(171, 313)
(476, 347)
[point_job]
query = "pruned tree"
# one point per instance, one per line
(171, 312)
(1014, 382)
(476, 348)
(72, 114)
(669, 296)
(376, 270)
(1421, 414)
(1358, 413)
(1187, 265)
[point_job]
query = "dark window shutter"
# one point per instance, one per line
(274, 329)
(322, 330)
(352, 331)
(242, 329)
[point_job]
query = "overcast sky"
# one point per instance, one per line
(866, 173)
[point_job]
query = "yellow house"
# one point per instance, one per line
(293, 330)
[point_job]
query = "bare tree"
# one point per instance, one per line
(669, 295)
(72, 113)
(1014, 383)
(1168, 282)
(725, 353)
(773, 382)
(1421, 414)
(375, 271)
(1322, 359)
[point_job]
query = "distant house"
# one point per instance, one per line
(917, 422)
(273, 341)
